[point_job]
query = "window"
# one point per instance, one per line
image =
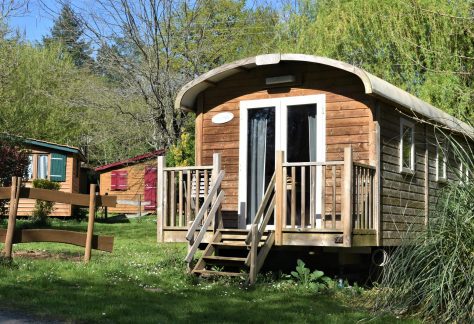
(42, 166)
(464, 173)
(407, 146)
(441, 159)
(118, 180)
(29, 170)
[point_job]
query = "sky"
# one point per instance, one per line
(36, 21)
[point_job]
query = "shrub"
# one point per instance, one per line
(181, 154)
(315, 280)
(433, 274)
(43, 208)
(13, 162)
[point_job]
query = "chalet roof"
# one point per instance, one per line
(129, 161)
(373, 86)
(50, 145)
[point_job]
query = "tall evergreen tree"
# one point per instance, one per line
(67, 30)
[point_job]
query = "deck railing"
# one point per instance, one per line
(181, 192)
(363, 193)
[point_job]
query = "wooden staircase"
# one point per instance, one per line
(229, 255)
(231, 252)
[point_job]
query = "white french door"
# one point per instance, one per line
(294, 125)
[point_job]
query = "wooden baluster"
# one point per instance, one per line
(173, 199)
(161, 186)
(197, 192)
(206, 189)
(293, 197)
(334, 200)
(361, 200)
(303, 197)
(180, 199)
(363, 171)
(323, 197)
(371, 209)
(312, 191)
(165, 199)
(188, 196)
(285, 197)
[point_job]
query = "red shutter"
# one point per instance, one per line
(150, 187)
(122, 183)
(113, 180)
(119, 180)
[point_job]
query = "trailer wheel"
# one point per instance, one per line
(380, 257)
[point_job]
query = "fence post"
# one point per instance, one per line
(13, 209)
(279, 183)
(216, 168)
(160, 212)
(90, 223)
(347, 198)
(253, 255)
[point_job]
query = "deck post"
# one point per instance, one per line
(253, 255)
(216, 168)
(90, 223)
(160, 212)
(12, 212)
(346, 208)
(279, 183)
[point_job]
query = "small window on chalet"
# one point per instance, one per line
(118, 180)
(29, 170)
(441, 159)
(464, 173)
(42, 166)
(407, 146)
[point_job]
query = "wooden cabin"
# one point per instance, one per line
(133, 181)
(55, 162)
(315, 153)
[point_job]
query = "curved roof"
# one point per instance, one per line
(373, 86)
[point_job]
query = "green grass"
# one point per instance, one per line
(142, 281)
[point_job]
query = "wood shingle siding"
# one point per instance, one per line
(348, 115)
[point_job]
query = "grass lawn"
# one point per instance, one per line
(142, 281)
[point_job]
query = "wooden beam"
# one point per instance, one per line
(66, 197)
(102, 243)
(347, 198)
(13, 210)
(216, 169)
(90, 223)
(279, 183)
(160, 212)
(378, 177)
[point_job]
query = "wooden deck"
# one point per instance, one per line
(342, 213)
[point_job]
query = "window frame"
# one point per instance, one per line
(411, 125)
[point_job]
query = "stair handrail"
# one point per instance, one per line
(216, 203)
(264, 206)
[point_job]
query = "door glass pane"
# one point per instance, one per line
(29, 170)
(407, 144)
(301, 133)
(261, 156)
(301, 147)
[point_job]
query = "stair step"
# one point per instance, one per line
(233, 230)
(209, 273)
(224, 260)
(234, 245)
(239, 237)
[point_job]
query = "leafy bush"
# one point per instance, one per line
(181, 154)
(43, 208)
(315, 280)
(13, 162)
(433, 274)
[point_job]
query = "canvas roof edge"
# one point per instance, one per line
(129, 161)
(373, 85)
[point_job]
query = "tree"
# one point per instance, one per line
(13, 163)
(422, 46)
(67, 31)
(149, 49)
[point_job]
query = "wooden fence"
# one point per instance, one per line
(87, 240)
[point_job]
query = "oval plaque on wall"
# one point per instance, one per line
(222, 118)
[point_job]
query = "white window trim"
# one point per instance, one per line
(463, 174)
(411, 169)
(280, 104)
(443, 177)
